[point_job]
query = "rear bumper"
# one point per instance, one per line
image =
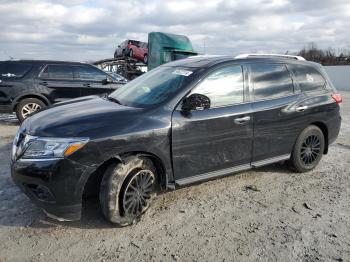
(56, 186)
(334, 129)
(6, 109)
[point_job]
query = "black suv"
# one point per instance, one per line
(184, 122)
(27, 86)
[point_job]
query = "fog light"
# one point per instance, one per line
(42, 193)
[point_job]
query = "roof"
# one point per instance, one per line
(41, 61)
(211, 60)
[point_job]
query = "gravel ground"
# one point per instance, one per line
(269, 214)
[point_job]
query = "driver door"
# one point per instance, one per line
(216, 141)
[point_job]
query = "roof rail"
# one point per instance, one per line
(271, 55)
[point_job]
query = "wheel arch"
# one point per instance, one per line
(324, 130)
(30, 95)
(92, 184)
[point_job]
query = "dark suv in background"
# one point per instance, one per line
(27, 86)
(181, 123)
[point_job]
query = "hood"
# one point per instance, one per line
(79, 117)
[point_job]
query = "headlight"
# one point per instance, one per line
(47, 148)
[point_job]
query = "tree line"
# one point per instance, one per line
(325, 56)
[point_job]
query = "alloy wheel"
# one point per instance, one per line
(29, 109)
(138, 193)
(310, 149)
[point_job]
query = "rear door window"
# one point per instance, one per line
(224, 87)
(59, 72)
(270, 81)
(88, 73)
(15, 70)
(308, 78)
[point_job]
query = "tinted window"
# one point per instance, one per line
(60, 72)
(88, 73)
(15, 70)
(308, 78)
(271, 81)
(45, 73)
(223, 87)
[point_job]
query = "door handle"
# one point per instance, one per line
(43, 83)
(301, 108)
(242, 120)
(87, 85)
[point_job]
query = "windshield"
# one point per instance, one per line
(152, 88)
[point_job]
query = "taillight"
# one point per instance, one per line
(337, 98)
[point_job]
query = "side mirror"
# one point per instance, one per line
(106, 81)
(196, 102)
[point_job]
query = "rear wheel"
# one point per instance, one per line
(127, 190)
(308, 149)
(28, 106)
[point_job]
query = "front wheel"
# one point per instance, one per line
(308, 149)
(127, 190)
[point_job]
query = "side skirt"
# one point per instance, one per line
(228, 171)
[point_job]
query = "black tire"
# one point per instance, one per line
(308, 149)
(145, 59)
(27, 107)
(116, 190)
(131, 53)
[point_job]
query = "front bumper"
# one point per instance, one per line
(56, 186)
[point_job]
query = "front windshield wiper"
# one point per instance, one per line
(113, 100)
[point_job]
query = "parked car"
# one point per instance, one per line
(132, 48)
(119, 78)
(29, 85)
(184, 122)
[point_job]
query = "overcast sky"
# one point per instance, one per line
(90, 30)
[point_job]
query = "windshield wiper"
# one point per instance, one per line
(113, 99)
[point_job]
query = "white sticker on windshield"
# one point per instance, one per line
(182, 72)
(309, 78)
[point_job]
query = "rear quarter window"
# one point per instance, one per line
(270, 81)
(14, 70)
(308, 78)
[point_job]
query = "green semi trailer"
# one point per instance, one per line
(164, 47)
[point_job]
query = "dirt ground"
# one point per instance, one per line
(269, 214)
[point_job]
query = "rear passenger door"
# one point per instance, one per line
(59, 82)
(92, 80)
(277, 123)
